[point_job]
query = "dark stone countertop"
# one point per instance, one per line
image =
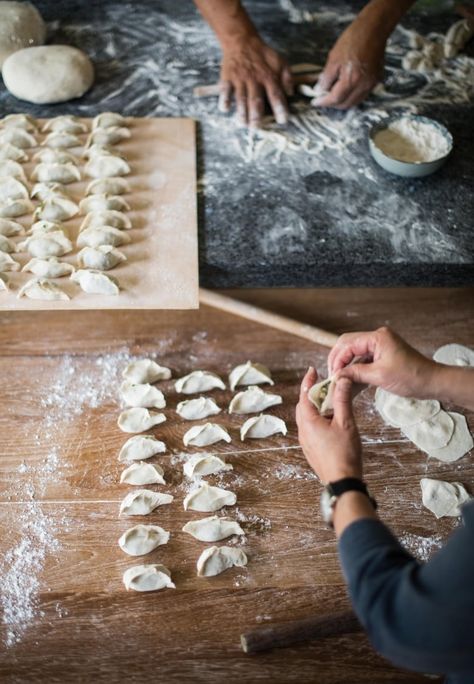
(302, 206)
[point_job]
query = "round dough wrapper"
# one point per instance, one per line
(443, 498)
(460, 443)
(431, 434)
(21, 26)
(454, 355)
(402, 411)
(48, 74)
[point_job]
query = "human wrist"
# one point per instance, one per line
(381, 16)
(239, 40)
(350, 507)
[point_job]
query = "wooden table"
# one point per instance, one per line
(60, 470)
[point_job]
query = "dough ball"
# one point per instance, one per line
(48, 74)
(21, 26)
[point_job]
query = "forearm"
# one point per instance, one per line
(452, 383)
(381, 16)
(228, 19)
(350, 507)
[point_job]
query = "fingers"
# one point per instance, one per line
(255, 104)
(327, 78)
(305, 409)
(277, 100)
(351, 87)
(287, 81)
(342, 403)
(225, 96)
(360, 373)
(240, 94)
(348, 346)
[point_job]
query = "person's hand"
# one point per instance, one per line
(389, 362)
(331, 445)
(250, 73)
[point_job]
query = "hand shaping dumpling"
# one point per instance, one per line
(198, 381)
(216, 559)
(9, 151)
(204, 435)
(207, 499)
(108, 186)
(101, 258)
(212, 529)
(65, 124)
(103, 203)
(52, 172)
(145, 370)
(12, 189)
(321, 395)
(249, 374)
(18, 137)
(145, 395)
(141, 447)
(10, 228)
(200, 465)
(103, 235)
(12, 169)
(106, 166)
(42, 288)
(96, 282)
(196, 409)
(143, 502)
(142, 474)
(7, 245)
(56, 208)
(253, 400)
(147, 578)
(48, 268)
(262, 426)
(108, 119)
(7, 263)
(14, 208)
(48, 245)
(142, 539)
(443, 498)
(109, 217)
(108, 136)
(139, 419)
(61, 139)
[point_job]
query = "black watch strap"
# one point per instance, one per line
(350, 484)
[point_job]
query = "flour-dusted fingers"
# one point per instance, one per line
(241, 105)
(287, 81)
(277, 100)
(225, 96)
(255, 103)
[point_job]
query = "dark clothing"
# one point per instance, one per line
(418, 615)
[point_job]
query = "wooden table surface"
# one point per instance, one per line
(66, 614)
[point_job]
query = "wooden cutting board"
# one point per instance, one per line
(161, 271)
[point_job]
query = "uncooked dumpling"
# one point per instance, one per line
(403, 411)
(7, 245)
(12, 169)
(56, 173)
(108, 119)
(458, 35)
(196, 409)
(200, 465)
(460, 443)
(19, 120)
(56, 208)
(18, 137)
(321, 395)
(9, 151)
(106, 166)
(7, 263)
(144, 371)
(198, 381)
(253, 400)
(204, 435)
(140, 447)
(101, 258)
(44, 227)
(66, 123)
(454, 355)
(108, 217)
(262, 426)
(431, 434)
(48, 268)
(142, 474)
(51, 155)
(142, 539)
(45, 191)
(108, 186)
(443, 498)
(142, 395)
(208, 499)
(61, 140)
(249, 374)
(3, 282)
(147, 578)
(212, 529)
(10, 228)
(216, 559)
(47, 245)
(99, 150)
(139, 419)
(103, 203)
(42, 288)
(14, 208)
(11, 189)
(103, 235)
(143, 502)
(109, 136)
(96, 282)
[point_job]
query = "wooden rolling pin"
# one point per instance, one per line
(308, 629)
(273, 320)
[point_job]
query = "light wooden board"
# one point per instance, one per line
(161, 271)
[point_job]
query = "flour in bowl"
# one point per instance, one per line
(411, 140)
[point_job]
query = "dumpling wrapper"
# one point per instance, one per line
(47, 245)
(212, 529)
(102, 235)
(321, 395)
(207, 499)
(249, 374)
(108, 217)
(112, 135)
(145, 371)
(18, 137)
(253, 400)
(9, 151)
(43, 227)
(139, 419)
(142, 539)
(142, 395)
(48, 268)
(402, 411)
(108, 186)
(108, 119)
(142, 474)
(141, 447)
(8, 263)
(431, 434)
(12, 169)
(205, 435)
(216, 559)
(147, 578)
(44, 191)
(454, 355)
(460, 443)
(56, 208)
(61, 139)
(96, 282)
(55, 172)
(143, 502)
(103, 203)
(101, 258)
(65, 123)
(55, 156)
(196, 409)
(200, 465)
(42, 288)
(107, 166)
(198, 381)
(443, 498)
(264, 425)
(10, 228)
(12, 189)
(14, 208)
(25, 121)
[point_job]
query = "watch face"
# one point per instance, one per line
(326, 502)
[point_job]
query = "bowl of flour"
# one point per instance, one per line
(411, 145)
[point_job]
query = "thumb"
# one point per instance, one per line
(342, 403)
(360, 373)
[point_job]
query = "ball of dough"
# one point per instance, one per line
(48, 74)
(21, 26)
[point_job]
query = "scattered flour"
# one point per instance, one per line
(421, 547)
(410, 140)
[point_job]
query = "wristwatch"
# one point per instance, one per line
(333, 491)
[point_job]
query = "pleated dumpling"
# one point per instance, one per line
(11, 189)
(321, 395)
(109, 217)
(148, 578)
(9, 151)
(96, 282)
(108, 186)
(101, 258)
(108, 119)
(216, 559)
(47, 245)
(8, 263)
(55, 156)
(61, 139)
(253, 400)
(48, 268)
(103, 203)
(198, 381)
(66, 123)
(249, 374)
(205, 435)
(208, 499)
(18, 137)
(56, 173)
(42, 288)
(142, 473)
(200, 465)
(12, 169)
(112, 135)
(56, 208)
(42, 227)
(142, 539)
(7, 245)
(213, 528)
(141, 447)
(143, 502)
(145, 370)
(262, 426)
(16, 207)
(139, 419)
(106, 166)
(4, 287)
(142, 395)
(10, 228)
(102, 235)
(44, 191)
(196, 409)
(24, 121)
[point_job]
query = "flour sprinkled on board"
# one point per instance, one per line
(421, 547)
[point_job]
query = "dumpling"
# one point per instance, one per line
(108, 217)
(102, 235)
(61, 139)
(11, 189)
(253, 400)
(403, 411)
(19, 121)
(99, 150)
(142, 539)
(198, 381)
(47, 245)
(145, 370)
(208, 499)
(262, 426)
(212, 529)
(216, 559)
(7, 263)
(55, 156)
(321, 395)
(101, 258)
(7, 245)
(142, 395)
(48, 268)
(204, 435)
(109, 136)
(9, 151)
(454, 355)
(3, 282)
(42, 288)
(147, 578)
(200, 465)
(196, 409)
(139, 419)
(249, 374)
(12, 169)
(140, 447)
(108, 119)
(96, 282)
(10, 228)
(18, 137)
(108, 186)
(44, 191)
(443, 498)
(143, 502)
(142, 474)
(56, 208)
(106, 166)
(14, 208)
(65, 124)
(56, 173)
(103, 203)
(43, 227)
